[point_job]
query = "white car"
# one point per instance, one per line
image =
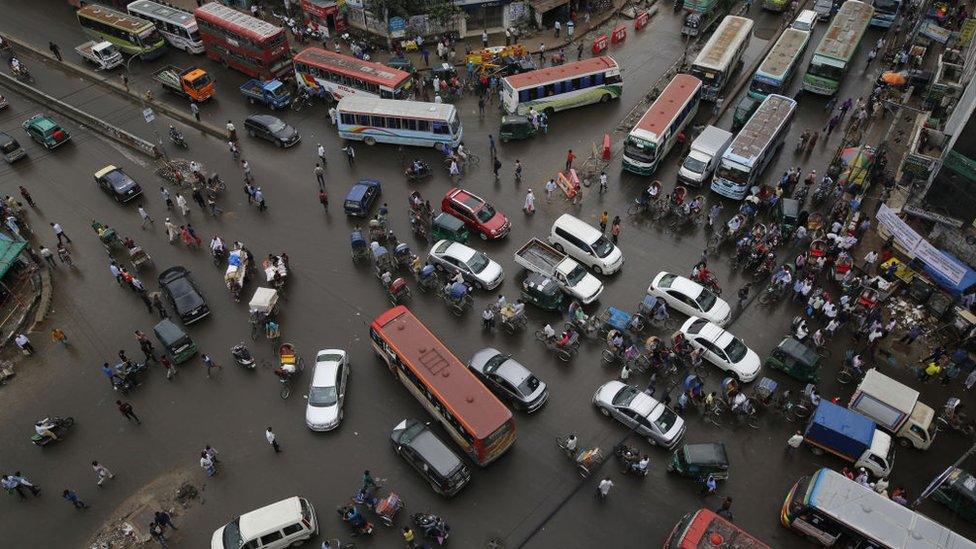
(722, 348)
(640, 412)
(475, 266)
(689, 297)
(327, 390)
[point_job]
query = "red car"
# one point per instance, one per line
(476, 213)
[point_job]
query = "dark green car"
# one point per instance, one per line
(700, 460)
(743, 111)
(958, 492)
(543, 292)
(46, 131)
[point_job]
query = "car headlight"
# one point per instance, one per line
(494, 231)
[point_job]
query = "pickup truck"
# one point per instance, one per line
(851, 437)
(895, 408)
(104, 54)
(539, 257)
(194, 84)
(270, 92)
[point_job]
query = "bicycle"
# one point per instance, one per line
(848, 374)
(713, 413)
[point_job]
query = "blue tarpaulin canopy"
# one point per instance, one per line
(10, 248)
(964, 285)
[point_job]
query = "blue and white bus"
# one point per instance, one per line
(779, 66)
(373, 120)
(754, 148)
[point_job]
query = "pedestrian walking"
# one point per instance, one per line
(569, 160)
(425, 53)
(744, 294)
(324, 199)
(320, 151)
(73, 498)
(156, 533)
(47, 254)
(246, 168)
(163, 519)
(725, 511)
(488, 318)
(550, 188)
(197, 195)
(408, 536)
(59, 232)
(167, 198)
(970, 380)
(259, 199)
(144, 343)
(604, 219)
(102, 473)
(27, 196)
(10, 484)
(272, 440)
(603, 489)
(491, 146)
(557, 26)
(146, 218)
(24, 344)
(56, 50)
(125, 80)
(871, 55)
(529, 205)
(207, 464)
(794, 442)
(211, 453)
(869, 260)
(126, 410)
(579, 51)
(58, 336)
(484, 38)
(615, 228)
(481, 105)
(157, 304)
(195, 110)
(350, 154)
(210, 364)
(319, 176)
(231, 131)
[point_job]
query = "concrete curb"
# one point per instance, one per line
(119, 89)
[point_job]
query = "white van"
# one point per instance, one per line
(587, 245)
(806, 21)
(705, 154)
(289, 521)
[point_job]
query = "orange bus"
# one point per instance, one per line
(323, 72)
(480, 424)
(703, 528)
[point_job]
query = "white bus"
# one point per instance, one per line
(374, 120)
(722, 55)
(753, 149)
(657, 131)
(551, 89)
(177, 26)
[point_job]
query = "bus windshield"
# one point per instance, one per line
(763, 88)
(639, 149)
(707, 76)
(824, 70)
(733, 174)
(886, 6)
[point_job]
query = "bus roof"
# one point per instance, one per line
(394, 107)
(469, 400)
(704, 526)
(236, 20)
(790, 43)
(846, 30)
(114, 18)
(758, 132)
(166, 13)
(668, 104)
(878, 517)
(720, 48)
(541, 77)
(378, 73)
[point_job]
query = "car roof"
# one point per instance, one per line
(325, 372)
(715, 334)
(42, 122)
(686, 286)
(270, 517)
(578, 227)
(460, 251)
(172, 274)
(263, 118)
(467, 198)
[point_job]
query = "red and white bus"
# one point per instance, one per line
(480, 424)
(324, 72)
(237, 40)
(703, 528)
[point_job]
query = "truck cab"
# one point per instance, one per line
(577, 281)
(706, 151)
(197, 84)
(104, 54)
(895, 408)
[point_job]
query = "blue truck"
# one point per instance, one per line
(850, 436)
(272, 93)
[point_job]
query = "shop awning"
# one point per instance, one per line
(964, 286)
(543, 6)
(10, 248)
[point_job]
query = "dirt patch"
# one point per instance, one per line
(128, 527)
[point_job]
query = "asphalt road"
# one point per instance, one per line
(531, 496)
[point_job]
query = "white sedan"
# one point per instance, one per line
(689, 297)
(722, 348)
(327, 391)
(475, 266)
(639, 411)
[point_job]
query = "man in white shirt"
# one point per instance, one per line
(603, 489)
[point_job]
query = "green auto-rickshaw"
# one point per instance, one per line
(447, 227)
(796, 360)
(786, 215)
(516, 126)
(175, 341)
(744, 111)
(401, 63)
(958, 492)
(700, 460)
(543, 292)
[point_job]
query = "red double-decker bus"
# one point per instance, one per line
(474, 417)
(255, 47)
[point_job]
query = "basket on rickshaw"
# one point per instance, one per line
(138, 257)
(818, 249)
(387, 508)
(398, 291)
(868, 298)
(842, 265)
(815, 221)
(360, 249)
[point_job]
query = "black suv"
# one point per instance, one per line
(271, 128)
(439, 466)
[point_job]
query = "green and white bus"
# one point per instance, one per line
(128, 33)
(833, 57)
(657, 131)
(563, 87)
(722, 55)
(779, 66)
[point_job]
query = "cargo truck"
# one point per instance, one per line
(895, 408)
(270, 92)
(539, 257)
(194, 84)
(851, 437)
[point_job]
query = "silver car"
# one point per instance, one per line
(509, 379)
(327, 391)
(475, 266)
(640, 412)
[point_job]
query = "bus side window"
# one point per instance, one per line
(599, 79)
(549, 90)
(524, 96)
(362, 119)
(568, 85)
(584, 82)
(379, 122)
(440, 128)
(423, 126)
(557, 87)
(393, 123)
(411, 124)
(615, 79)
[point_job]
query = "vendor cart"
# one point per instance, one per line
(138, 257)
(276, 271)
(586, 459)
(236, 274)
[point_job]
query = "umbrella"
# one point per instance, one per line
(894, 78)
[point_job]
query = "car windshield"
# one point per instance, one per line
(478, 262)
(485, 213)
(667, 420)
(667, 280)
(494, 362)
(694, 165)
(232, 534)
(706, 299)
(602, 247)
(118, 179)
(736, 350)
(276, 125)
(697, 326)
(411, 432)
(8, 147)
(625, 396)
(323, 397)
(575, 275)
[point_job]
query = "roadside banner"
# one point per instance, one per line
(906, 236)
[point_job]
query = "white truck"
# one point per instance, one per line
(103, 54)
(706, 152)
(539, 257)
(896, 409)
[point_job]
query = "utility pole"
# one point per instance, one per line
(941, 477)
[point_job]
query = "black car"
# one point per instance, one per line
(117, 183)
(183, 294)
(271, 128)
(438, 464)
(10, 148)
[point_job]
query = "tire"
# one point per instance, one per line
(844, 377)
(279, 144)
(605, 98)
(369, 140)
(69, 421)
(764, 298)
(904, 442)
(285, 390)
(559, 248)
(597, 269)
(550, 111)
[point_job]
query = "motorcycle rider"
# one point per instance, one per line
(572, 443)
(175, 134)
(45, 428)
(734, 224)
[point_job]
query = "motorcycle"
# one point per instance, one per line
(350, 515)
(218, 255)
(628, 458)
(177, 138)
(126, 379)
(23, 74)
(432, 527)
(242, 356)
(61, 425)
